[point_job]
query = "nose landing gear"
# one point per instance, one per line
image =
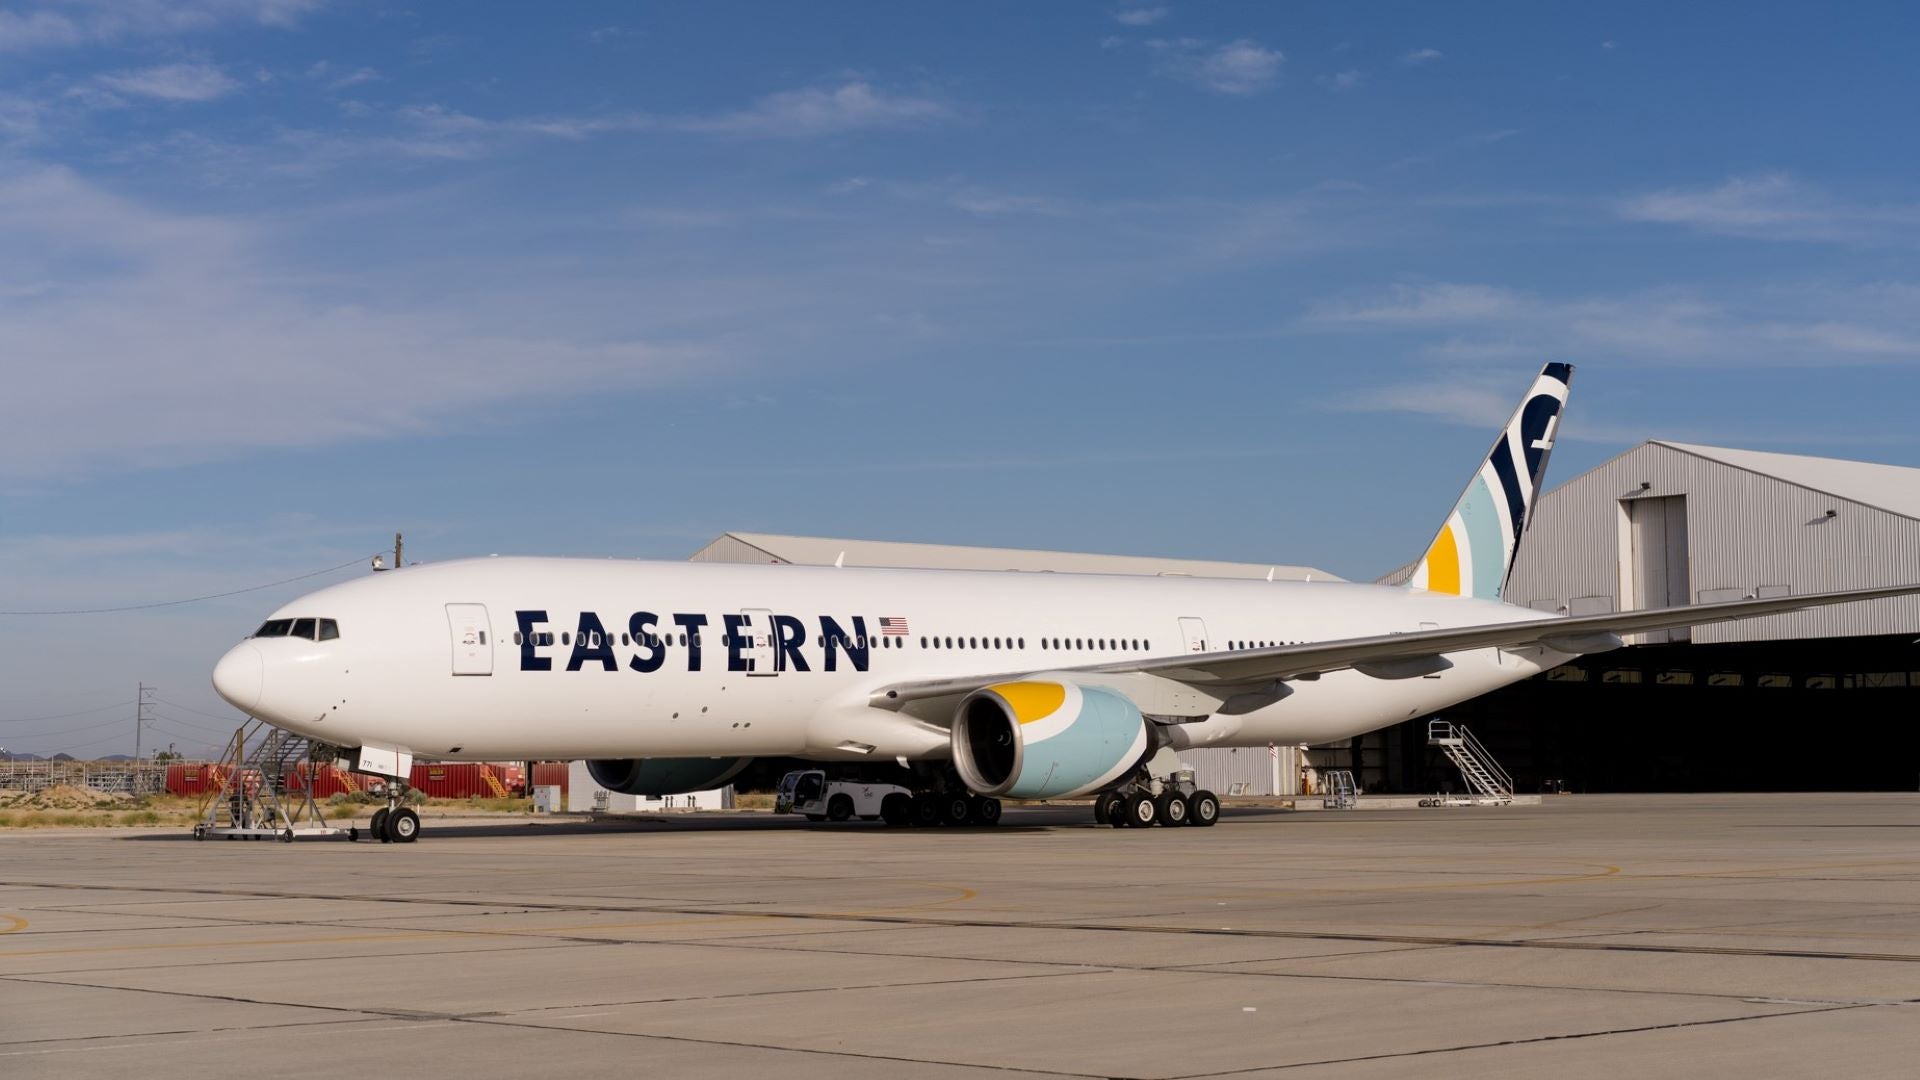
(392, 824)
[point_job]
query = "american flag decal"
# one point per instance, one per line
(892, 627)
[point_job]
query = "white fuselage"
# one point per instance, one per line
(792, 673)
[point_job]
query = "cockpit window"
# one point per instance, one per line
(311, 629)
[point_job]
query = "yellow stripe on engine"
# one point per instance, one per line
(1443, 563)
(1032, 701)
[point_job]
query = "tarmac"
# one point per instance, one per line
(1698, 936)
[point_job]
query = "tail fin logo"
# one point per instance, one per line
(1473, 553)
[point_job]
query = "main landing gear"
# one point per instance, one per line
(1146, 801)
(391, 824)
(928, 808)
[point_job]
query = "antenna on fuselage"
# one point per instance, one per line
(839, 560)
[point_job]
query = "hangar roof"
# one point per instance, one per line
(1893, 488)
(822, 551)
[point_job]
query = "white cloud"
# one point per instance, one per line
(83, 22)
(1421, 56)
(1237, 67)
(1798, 326)
(853, 106)
(1139, 16)
(323, 71)
(1773, 206)
(1340, 82)
(154, 338)
(172, 82)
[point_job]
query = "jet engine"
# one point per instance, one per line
(664, 776)
(1046, 740)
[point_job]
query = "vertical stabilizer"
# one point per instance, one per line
(1473, 554)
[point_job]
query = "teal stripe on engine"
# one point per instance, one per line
(1488, 549)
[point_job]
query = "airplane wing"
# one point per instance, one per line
(1400, 656)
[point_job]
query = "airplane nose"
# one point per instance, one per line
(239, 676)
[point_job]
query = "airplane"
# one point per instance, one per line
(965, 687)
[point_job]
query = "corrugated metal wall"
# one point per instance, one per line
(1217, 769)
(1745, 532)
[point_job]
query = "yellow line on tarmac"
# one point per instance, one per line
(18, 923)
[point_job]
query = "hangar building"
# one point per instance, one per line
(1820, 700)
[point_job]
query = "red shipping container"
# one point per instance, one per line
(328, 780)
(551, 774)
(194, 779)
(459, 780)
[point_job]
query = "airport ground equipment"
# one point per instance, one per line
(1488, 782)
(254, 800)
(1341, 793)
(813, 793)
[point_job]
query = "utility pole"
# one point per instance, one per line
(142, 714)
(396, 551)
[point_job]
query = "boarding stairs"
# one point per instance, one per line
(1488, 783)
(256, 799)
(1341, 794)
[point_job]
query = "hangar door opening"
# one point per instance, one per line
(1656, 570)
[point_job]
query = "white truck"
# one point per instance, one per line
(809, 792)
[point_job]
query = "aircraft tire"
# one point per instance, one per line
(378, 827)
(1174, 809)
(840, 807)
(926, 809)
(403, 826)
(986, 811)
(896, 810)
(956, 810)
(1140, 812)
(1204, 808)
(1102, 809)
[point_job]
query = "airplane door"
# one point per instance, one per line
(1194, 632)
(762, 654)
(472, 652)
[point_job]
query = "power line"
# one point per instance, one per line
(193, 599)
(65, 731)
(235, 720)
(191, 724)
(64, 715)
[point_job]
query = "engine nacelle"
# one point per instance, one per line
(1046, 740)
(664, 776)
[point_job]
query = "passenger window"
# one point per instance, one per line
(329, 629)
(302, 628)
(483, 637)
(566, 637)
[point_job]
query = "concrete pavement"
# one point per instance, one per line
(1590, 936)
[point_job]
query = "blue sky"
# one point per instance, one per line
(1241, 281)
